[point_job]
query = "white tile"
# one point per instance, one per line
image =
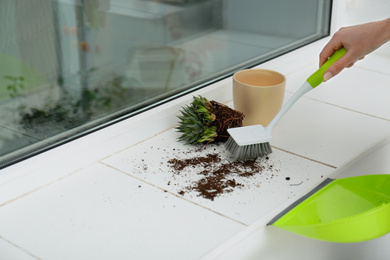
(375, 62)
(9, 251)
(374, 160)
(260, 194)
(272, 243)
(100, 213)
(327, 133)
(357, 89)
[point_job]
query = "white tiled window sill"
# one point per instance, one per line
(86, 200)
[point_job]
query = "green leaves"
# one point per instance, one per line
(196, 122)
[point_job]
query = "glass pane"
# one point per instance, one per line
(68, 67)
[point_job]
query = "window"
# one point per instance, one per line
(68, 67)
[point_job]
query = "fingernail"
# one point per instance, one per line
(328, 76)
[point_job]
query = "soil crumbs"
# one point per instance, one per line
(218, 175)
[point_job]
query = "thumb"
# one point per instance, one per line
(337, 67)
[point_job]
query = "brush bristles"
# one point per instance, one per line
(247, 152)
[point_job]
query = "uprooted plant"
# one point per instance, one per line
(205, 121)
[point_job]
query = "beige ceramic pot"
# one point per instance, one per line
(258, 93)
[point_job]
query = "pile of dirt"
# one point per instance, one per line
(218, 176)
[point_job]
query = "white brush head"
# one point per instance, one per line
(248, 135)
(247, 152)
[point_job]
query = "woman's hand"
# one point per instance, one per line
(358, 40)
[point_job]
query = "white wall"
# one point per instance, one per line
(352, 12)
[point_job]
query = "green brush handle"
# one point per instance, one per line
(317, 77)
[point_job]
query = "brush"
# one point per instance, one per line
(252, 141)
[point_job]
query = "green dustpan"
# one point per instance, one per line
(348, 210)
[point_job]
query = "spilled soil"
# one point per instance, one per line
(218, 176)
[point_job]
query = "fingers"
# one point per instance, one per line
(353, 63)
(333, 45)
(337, 67)
(347, 61)
(328, 50)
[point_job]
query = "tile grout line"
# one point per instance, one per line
(18, 247)
(45, 185)
(349, 109)
(304, 157)
(372, 70)
(135, 144)
(174, 194)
